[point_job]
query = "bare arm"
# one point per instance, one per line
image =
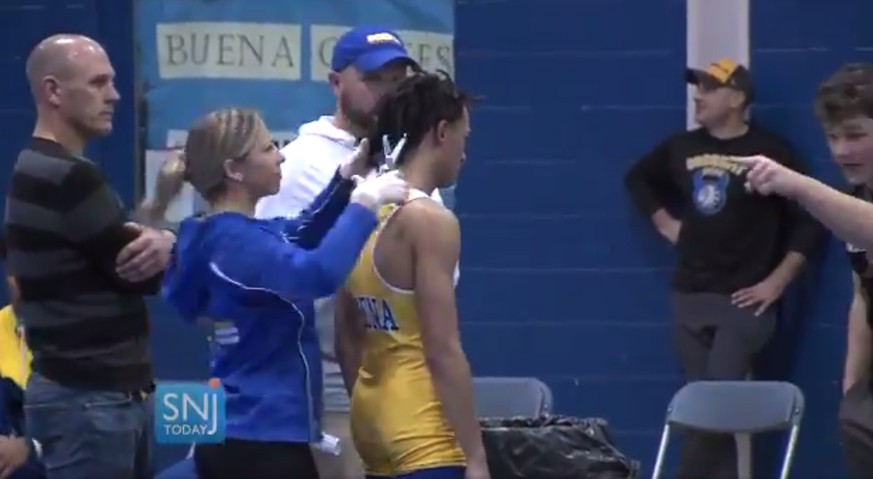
(851, 219)
(859, 352)
(436, 246)
(349, 333)
(666, 225)
(15, 452)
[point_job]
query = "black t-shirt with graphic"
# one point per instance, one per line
(731, 238)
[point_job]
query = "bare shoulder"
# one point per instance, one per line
(431, 230)
(433, 233)
(429, 219)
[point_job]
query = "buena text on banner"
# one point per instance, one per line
(272, 55)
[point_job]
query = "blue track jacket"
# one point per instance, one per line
(256, 280)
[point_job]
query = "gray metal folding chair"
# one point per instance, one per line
(735, 407)
(509, 397)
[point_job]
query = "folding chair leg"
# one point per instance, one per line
(789, 453)
(744, 449)
(744, 455)
(662, 452)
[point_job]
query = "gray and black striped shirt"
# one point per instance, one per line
(87, 328)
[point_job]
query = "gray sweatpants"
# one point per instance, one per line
(715, 340)
(856, 430)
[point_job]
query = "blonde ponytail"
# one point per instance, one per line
(213, 139)
(168, 185)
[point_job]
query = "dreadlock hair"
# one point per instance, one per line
(846, 94)
(414, 108)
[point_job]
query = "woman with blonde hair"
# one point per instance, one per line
(256, 281)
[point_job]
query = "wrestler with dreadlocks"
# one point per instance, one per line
(397, 323)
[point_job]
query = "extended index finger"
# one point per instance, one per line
(748, 160)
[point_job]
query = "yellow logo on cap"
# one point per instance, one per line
(382, 38)
(722, 69)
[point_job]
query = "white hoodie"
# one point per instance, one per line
(311, 161)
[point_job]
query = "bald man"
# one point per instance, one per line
(81, 271)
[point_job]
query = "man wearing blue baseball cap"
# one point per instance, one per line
(368, 49)
(367, 62)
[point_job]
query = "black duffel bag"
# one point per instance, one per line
(553, 447)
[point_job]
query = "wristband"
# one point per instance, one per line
(37, 448)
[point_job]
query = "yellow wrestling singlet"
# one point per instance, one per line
(396, 418)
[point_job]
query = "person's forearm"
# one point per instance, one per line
(788, 268)
(310, 226)
(851, 219)
(321, 271)
(666, 225)
(94, 222)
(454, 387)
(103, 251)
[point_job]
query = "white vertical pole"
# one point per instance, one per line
(715, 29)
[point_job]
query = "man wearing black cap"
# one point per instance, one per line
(737, 251)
